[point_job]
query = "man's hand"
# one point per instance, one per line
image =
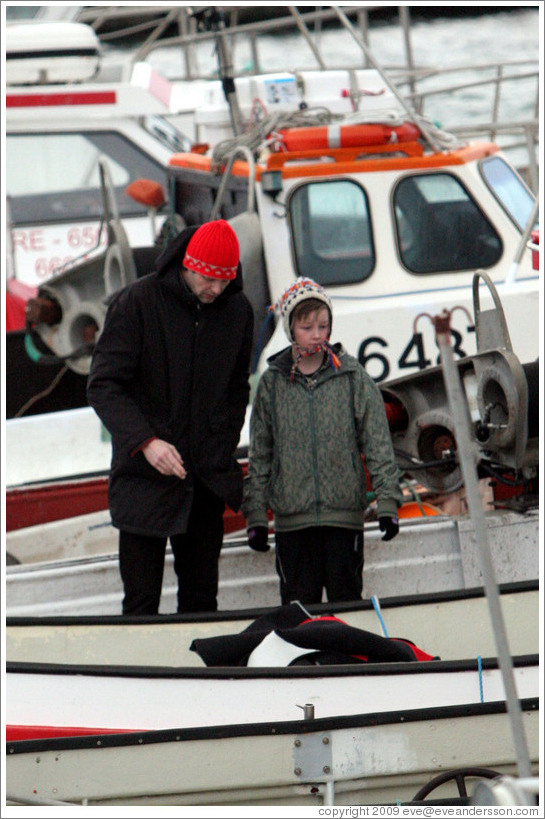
(165, 458)
(258, 539)
(389, 525)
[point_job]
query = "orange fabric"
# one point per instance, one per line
(412, 510)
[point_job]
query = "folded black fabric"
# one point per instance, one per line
(330, 640)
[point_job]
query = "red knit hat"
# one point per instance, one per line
(213, 251)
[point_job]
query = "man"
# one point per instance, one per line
(169, 380)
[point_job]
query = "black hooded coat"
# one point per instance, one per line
(166, 365)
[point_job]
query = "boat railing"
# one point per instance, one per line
(499, 79)
(419, 85)
(516, 137)
(408, 73)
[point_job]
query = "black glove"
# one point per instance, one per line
(389, 525)
(258, 539)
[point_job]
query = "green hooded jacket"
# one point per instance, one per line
(307, 437)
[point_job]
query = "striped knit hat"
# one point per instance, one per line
(301, 289)
(213, 251)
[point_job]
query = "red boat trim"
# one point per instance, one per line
(77, 98)
(45, 502)
(16, 733)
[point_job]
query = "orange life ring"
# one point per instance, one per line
(346, 136)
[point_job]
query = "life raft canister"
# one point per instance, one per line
(346, 136)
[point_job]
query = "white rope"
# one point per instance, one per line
(261, 132)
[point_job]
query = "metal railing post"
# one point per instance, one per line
(496, 103)
(405, 18)
(307, 35)
(411, 113)
(468, 459)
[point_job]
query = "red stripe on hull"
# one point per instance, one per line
(58, 501)
(77, 98)
(16, 733)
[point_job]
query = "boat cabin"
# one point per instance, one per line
(60, 118)
(390, 229)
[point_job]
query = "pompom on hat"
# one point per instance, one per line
(301, 289)
(213, 251)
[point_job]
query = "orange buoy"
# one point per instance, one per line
(346, 136)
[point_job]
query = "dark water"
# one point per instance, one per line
(459, 39)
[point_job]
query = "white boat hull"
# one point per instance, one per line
(92, 585)
(232, 735)
(453, 626)
(361, 760)
(78, 573)
(75, 700)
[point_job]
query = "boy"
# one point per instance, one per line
(316, 411)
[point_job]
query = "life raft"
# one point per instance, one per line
(346, 136)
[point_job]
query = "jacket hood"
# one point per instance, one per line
(171, 258)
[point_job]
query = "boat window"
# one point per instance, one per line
(55, 177)
(330, 226)
(439, 226)
(509, 188)
(167, 133)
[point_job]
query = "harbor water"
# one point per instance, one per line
(438, 42)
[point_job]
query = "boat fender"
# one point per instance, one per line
(119, 266)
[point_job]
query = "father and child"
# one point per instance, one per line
(170, 381)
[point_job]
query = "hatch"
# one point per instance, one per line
(51, 53)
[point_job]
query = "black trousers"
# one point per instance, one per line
(196, 556)
(317, 558)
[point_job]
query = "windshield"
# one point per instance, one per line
(331, 230)
(509, 188)
(440, 226)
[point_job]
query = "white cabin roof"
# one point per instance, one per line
(147, 93)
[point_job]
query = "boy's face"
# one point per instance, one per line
(311, 329)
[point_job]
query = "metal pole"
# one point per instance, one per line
(363, 22)
(410, 111)
(533, 169)
(496, 103)
(329, 796)
(468, 460)
(307, 35)
(228, 83)
(405, 18)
